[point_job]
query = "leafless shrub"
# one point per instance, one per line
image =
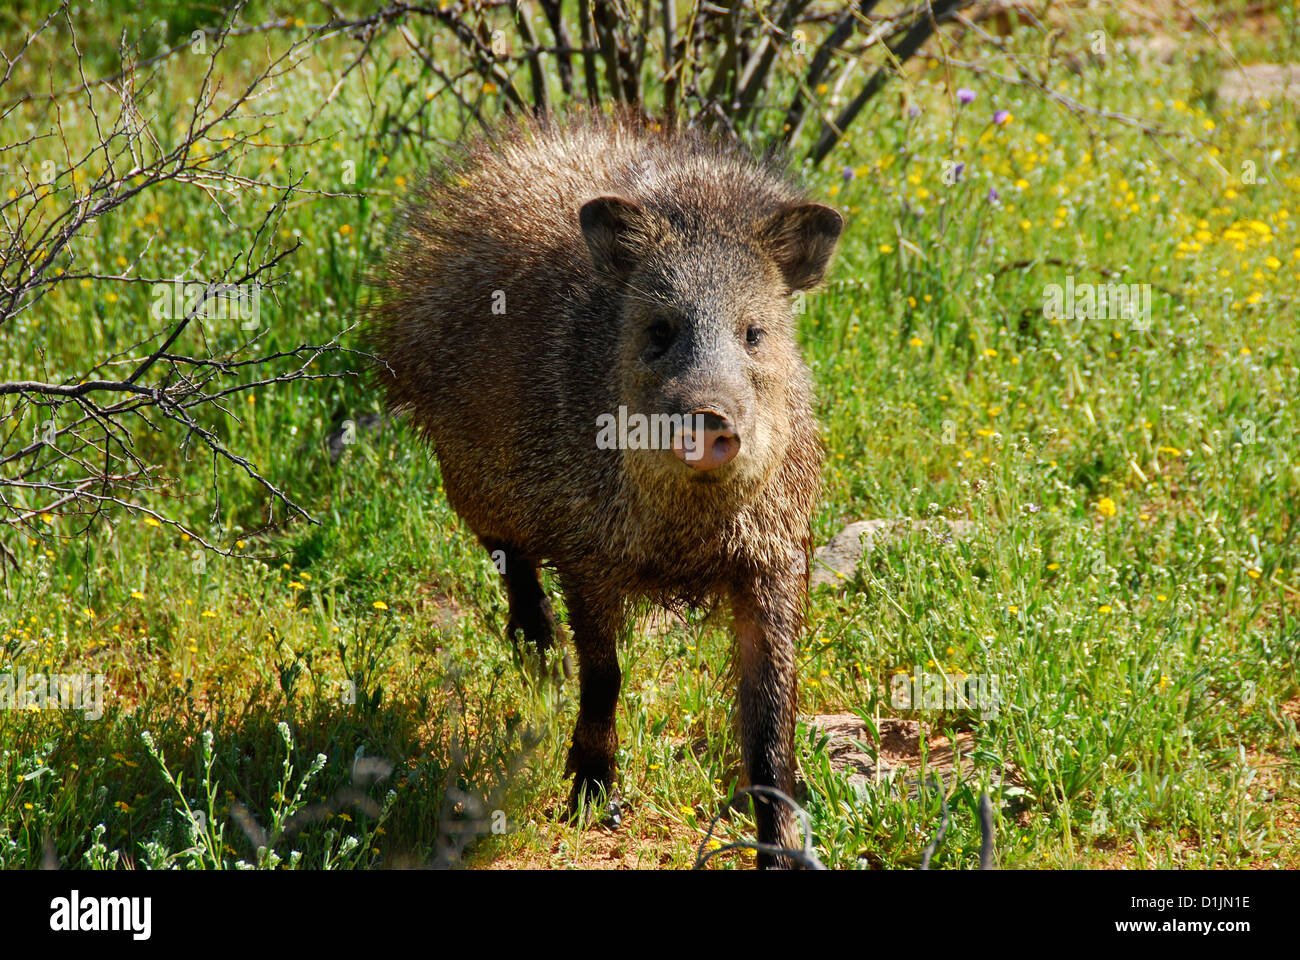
(68, 446)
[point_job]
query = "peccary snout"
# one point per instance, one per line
(707, 440)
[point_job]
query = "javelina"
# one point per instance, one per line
(551, 285)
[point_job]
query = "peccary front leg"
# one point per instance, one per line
(768, 613)
(596, 624)
(530, 608)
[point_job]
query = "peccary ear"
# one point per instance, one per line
(801, 239)
(616, 231)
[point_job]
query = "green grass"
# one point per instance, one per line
(1130, 575)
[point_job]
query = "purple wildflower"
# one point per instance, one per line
(965, 95)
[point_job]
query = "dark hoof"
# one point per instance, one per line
(539, 653)
(593, 802)
(613, 815)
(591, 792)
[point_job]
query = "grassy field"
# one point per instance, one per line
(1129, 572)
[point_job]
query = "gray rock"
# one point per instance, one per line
(1268, 81)
(838, 561)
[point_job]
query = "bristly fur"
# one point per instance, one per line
(502, 215)
(503, 340)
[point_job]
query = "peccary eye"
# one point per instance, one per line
(753, 336)
(661, 334)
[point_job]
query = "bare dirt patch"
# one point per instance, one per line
(898, 750)
(646, 841)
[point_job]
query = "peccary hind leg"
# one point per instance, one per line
(596, 625)
(530, 608)
(768, 616)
